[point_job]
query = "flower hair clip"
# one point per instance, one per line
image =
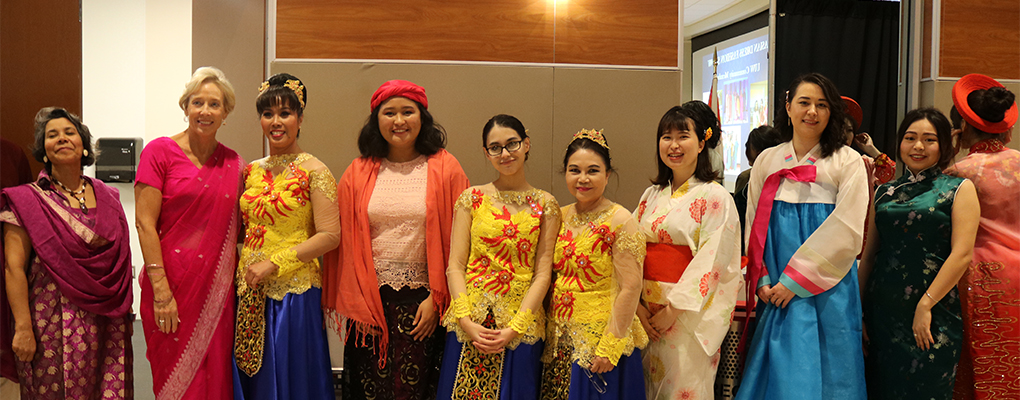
(708, 133)
(292, 84)
(298, 88)
(593, 135)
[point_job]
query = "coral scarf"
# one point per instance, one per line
(350, 287)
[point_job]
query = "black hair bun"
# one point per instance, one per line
(991, 104)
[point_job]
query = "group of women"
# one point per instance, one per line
(587, 301)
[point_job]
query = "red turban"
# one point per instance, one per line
(399, 88)
(854, 110)
(967, 85)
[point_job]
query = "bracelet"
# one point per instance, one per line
(153, 266)
(929, 296)
(162, 301)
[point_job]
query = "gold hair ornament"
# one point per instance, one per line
(293, 85)
(708, 133)
(593, 135)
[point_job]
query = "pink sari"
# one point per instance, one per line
(198, 233)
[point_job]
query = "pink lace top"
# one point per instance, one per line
(396, 214)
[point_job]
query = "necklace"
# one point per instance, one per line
(285, 159)
(77, 194)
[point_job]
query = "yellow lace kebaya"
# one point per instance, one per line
(597, 265)
(502, 261)
(281, 225)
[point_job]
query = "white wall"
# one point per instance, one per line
(136, 58)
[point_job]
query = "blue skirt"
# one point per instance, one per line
(521, 377)
(812, 348)
(295, 359)
(626, 381)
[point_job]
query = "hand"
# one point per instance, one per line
(644, 316)
(781, 296)
(663, 320)
(166, 314)
(481, 337)
(922, 328)
(425, 320)
(601, 365)
(255, 273)
(24, 344)
(863, 140)
(501, 337)
(765, 293)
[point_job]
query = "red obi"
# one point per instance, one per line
(666, 262)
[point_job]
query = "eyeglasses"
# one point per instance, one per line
(495, 149)
(599, 383)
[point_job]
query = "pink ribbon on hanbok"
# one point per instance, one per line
(759, 228)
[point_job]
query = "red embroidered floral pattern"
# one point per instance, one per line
(698, 209)
(476, 198)
(563, 305)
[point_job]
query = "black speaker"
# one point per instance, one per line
(118, 159)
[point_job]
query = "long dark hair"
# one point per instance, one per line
(943, 130)
(834, 134)
(704, 118)
(680, 118)
(431, 137)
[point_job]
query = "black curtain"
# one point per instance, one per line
(852, 42)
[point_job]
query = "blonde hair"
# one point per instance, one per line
(205, 75)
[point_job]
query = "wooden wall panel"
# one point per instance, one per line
(981, 36)
(633, 32)
(498, 30)
(41, 65)
(636, 32)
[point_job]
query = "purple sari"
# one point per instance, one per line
(198, 234)
(79, 294)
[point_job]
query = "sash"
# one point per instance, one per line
(666, 262)
(760, 226)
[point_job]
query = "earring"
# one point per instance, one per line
(85, 153)
(45, 160)
(185, 118)
(224, 123)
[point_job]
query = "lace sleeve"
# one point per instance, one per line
(326, 217)
(628, 258)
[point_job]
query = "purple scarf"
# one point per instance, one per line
(91, 265)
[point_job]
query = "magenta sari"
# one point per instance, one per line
(198, 232)
(79, 280)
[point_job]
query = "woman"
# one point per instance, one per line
(395, 221)
(504, 233)
(806, 192)
(67, 273)
(920, 243)
(186, 214)
(692, 270)
(990, 365)
(704, 120)
(593, 337)
(290, 218)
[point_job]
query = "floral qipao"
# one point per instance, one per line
(701, 217)
(990, 295)
(506, 229)
(914, 217)
(597, 270)
(282, 213)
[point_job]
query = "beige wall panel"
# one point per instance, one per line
(461, 98)
(627, 105)
(552, 104)
(236, 46)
